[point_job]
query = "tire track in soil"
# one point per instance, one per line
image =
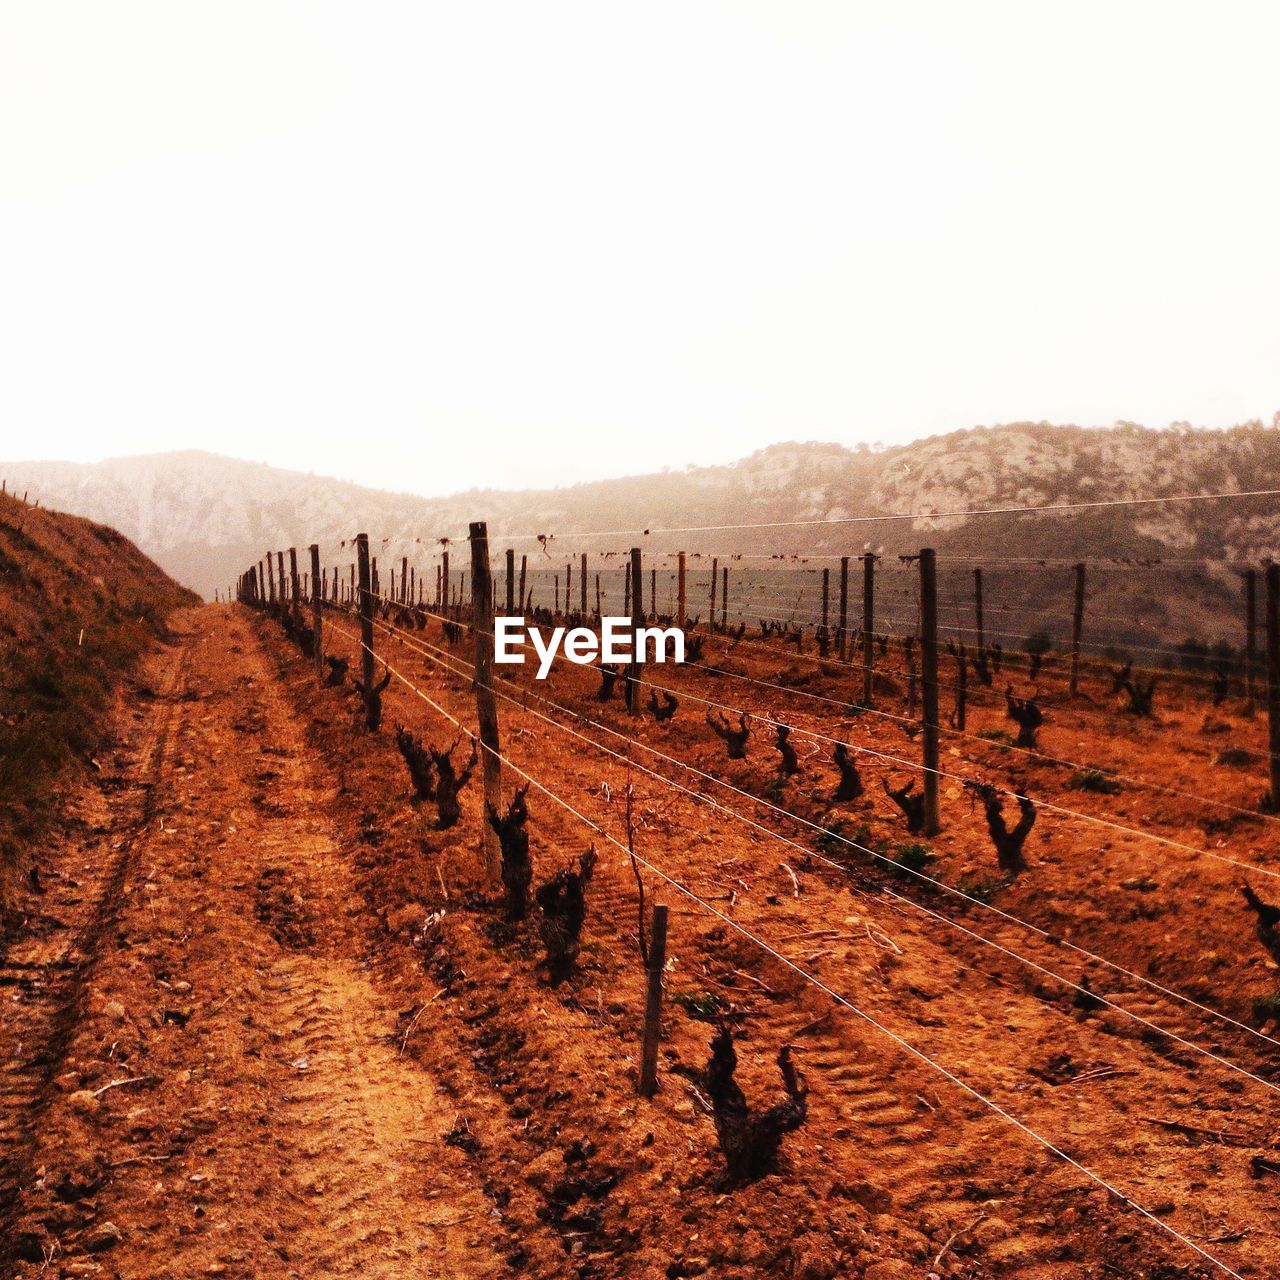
(50, 958)
(279, 1130)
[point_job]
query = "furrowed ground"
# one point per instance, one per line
(282, 1063)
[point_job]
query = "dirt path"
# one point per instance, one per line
(49, 960)
(231, 1099)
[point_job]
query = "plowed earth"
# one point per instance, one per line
(236, 1043)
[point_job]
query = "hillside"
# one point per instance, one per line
(78, 605)
(203, 517)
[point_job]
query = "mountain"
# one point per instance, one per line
(204, 517)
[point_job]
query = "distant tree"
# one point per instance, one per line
(1193, 655)
(1036, 646)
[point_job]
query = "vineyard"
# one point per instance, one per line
(640, 644)
(974, 889)
(924, 921)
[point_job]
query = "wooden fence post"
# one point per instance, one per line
(962, 685)
(929, 682)
(271, 582)
(715, 579)
(317, 634)
(844, 608)
(511, 582)
(653, 1003)
(366, 622)
(826, 597)
(262, 587)
(1077, 626)
(524, 566)
(280, 574)
(486, 703)
(599, 615)
(1273, 682)
(637, 621)
(682, 601)
(1250, 637)
(869, 624)
(295, 594)
(444, 577)
(977, 611)
(582, 593)
(724, 598)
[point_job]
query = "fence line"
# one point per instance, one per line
(443, 658)
(943, 773)
(902, 1043)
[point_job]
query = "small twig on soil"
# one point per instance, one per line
(120, 1164)
(764, 986)
(701, 1100)
(880, 938)
(408, 1031)
(794, 881)
(1103, 1073)
(1224, 1136)
(117, 1084)
(814, 1025)
(453, 1222)
(951, 1239)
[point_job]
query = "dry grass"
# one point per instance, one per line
(78, 605)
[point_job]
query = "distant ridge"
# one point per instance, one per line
(203, 516)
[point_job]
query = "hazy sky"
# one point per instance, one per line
(430, 246)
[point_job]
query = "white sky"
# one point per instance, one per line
(431, 246)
